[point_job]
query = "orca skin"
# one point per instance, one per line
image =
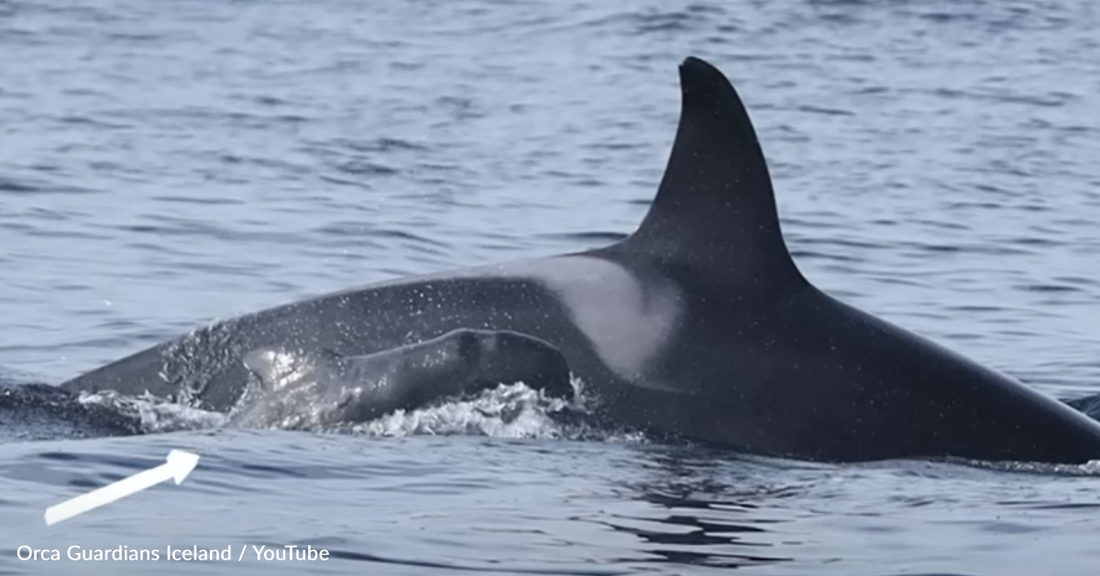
(697, 326)
(294, 390)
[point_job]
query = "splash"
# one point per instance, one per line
(154, 415)
(1090, 468)
(507, 411)
(190, 363)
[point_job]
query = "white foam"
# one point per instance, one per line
(156, 414)
(508, 411)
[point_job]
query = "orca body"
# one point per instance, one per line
(44, 412)
(294, 390)
(697, 326)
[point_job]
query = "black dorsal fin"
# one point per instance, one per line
(715, 206)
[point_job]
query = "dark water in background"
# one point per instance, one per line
(162, 164)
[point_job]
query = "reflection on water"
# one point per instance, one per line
(703, 511)
(690, 539)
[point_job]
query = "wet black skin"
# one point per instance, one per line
(699, 325)
(306, 390)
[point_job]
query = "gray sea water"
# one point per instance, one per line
(166, 163)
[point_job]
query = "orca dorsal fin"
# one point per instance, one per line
(715, 206)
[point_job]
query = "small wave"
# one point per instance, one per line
(1090, 468)
(508, 411)
(154, 415)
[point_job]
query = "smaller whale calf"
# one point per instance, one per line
(298, 390)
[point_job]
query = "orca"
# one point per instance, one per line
(292, 390)
(698, 326)
(34, 411)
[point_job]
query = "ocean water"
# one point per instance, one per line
(164, 164)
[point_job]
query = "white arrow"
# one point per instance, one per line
(179, 465)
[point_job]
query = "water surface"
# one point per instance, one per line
(164, 164)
